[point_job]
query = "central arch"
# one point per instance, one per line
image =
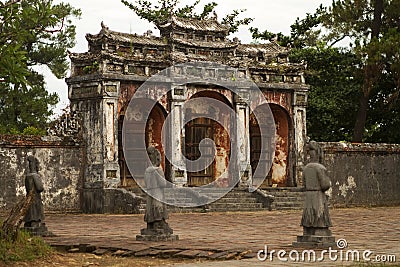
(201, 128)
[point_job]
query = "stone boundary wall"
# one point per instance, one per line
(60, 168)
(363, 174)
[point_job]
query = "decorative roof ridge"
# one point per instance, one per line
(210, 24)
(207, 44)
(273, 47)
(105, 31)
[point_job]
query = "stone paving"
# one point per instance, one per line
(226, 236)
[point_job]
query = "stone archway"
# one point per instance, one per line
(279, 173)
(153, 137)
(200, 128)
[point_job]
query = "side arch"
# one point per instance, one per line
(279, 173)
(153, 137)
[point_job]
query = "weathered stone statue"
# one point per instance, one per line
(315, 220)
(34, 218)
(156, 211)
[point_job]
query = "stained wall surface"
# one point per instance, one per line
(363, 174)
(60, 167)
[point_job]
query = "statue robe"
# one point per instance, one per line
(316, 182)
(155, 184)
(35, 212)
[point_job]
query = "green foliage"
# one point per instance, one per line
(30, 130)
(161, 12)
(32, 33)
(92, 68)
(304, 32)
(23, 248)
(354, 89)
(373, 31)
(331, 77)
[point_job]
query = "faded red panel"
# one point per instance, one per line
(221, 94)
(279, 169)
(221, 162)
(280, 98)
(278, 174)
(129, 89)
(154, 131)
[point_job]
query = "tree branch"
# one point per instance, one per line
(11, 3)
(337, 40)
(58, 30)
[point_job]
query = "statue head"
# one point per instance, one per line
(315, 152)
(33, 164)
(154, 156)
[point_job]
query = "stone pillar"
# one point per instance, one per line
(177, 134)
(111, 171)
(242, 132)
(97, 104)
(299, 116)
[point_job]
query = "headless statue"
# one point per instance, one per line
(315, 219)
(155, 182)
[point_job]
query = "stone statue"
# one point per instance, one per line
(315, 220)
(34, 218)
(156, 211)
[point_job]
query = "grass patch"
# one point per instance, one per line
(23, 247)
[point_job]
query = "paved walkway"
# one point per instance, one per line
(229, 235)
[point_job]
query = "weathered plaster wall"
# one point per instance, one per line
(363, 174)
(60, 169)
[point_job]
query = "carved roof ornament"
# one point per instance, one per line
(183, 40)
(204, 25)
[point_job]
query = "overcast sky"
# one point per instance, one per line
(274, 15)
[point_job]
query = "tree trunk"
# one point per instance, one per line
(361, 119)
(11, 225)
(377, 23)
(371, 75)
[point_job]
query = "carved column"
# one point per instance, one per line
(111, 172)
(176, 134)
(243, 137)
(299, 110)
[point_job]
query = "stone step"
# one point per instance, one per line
(287, 194)
(283, 189)
(286, 198)
(238, 194)
(235, 205)
(236, 200)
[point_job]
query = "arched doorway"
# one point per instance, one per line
(279, 172)
(202, 127)
(153, 132)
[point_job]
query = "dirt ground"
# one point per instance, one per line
(87, 260)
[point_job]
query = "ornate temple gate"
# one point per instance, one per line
(104, 79)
